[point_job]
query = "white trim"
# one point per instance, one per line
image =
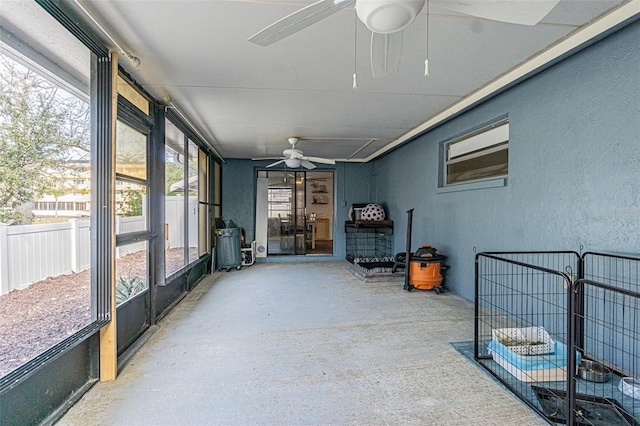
(478, 184)
(579, 37)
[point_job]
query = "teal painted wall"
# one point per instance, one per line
(574, 166)
(238, 194)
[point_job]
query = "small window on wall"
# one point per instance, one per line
(480, 156)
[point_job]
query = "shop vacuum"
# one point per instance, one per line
(427, 269)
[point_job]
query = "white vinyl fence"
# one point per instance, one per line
(125, 225)
(175, 217)
(31, 253)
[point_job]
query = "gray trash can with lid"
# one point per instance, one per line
(228, 248)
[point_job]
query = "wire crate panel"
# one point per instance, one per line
(590, 307)
(607, 319)
(511, 293)
(368, 242)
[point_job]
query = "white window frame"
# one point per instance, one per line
(485, 141)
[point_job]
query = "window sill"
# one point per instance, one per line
(492, 183)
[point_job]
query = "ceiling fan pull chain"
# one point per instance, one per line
(355, 50)
(426, 61)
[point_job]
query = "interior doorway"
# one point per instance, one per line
(299, 212)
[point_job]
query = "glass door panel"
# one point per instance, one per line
(286, 216)
(300, 214)
(280, 213)
(320, 221)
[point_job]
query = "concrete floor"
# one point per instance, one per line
(304, 343)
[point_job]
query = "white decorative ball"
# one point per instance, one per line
(372, 212)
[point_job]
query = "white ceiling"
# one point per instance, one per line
(248, 99)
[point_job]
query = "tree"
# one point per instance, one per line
(173, 174)
(131, 203)
(42, 129)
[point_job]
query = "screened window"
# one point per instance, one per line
(131, 271)
(217, 190)
(174, 172)
(193, 209)
(131, 185)
(131, 152)
(132, 218)
(187, 225)
(204, 236)
(479, 156)
(45, 146)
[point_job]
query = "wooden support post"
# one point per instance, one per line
(108, 334)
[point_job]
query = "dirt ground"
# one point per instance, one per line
(41, 315)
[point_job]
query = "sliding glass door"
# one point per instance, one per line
(298, 208)
(286, 213)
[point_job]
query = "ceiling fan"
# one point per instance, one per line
(294, 158)
(387, 18)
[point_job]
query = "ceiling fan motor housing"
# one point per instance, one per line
(293, 153)
(388, 16)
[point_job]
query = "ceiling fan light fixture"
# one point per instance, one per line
(388, 16)
(293, 163)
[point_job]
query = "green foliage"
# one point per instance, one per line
(127, 287)
(41, 128)
(131, 203)
(10, 216)
(173, 174)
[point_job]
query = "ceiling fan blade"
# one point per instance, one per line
(298, 20)
(523, 12)
(265, 158)
(275, 164)
(318, 160)
(307, 164)
(386, 52)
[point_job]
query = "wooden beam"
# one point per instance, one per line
(108, 334)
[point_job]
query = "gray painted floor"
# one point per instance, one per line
(304, 343)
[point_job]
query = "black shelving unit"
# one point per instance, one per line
(368, 239)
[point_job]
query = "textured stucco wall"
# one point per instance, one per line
(238, 194)
(574, 166)
(352, 185)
